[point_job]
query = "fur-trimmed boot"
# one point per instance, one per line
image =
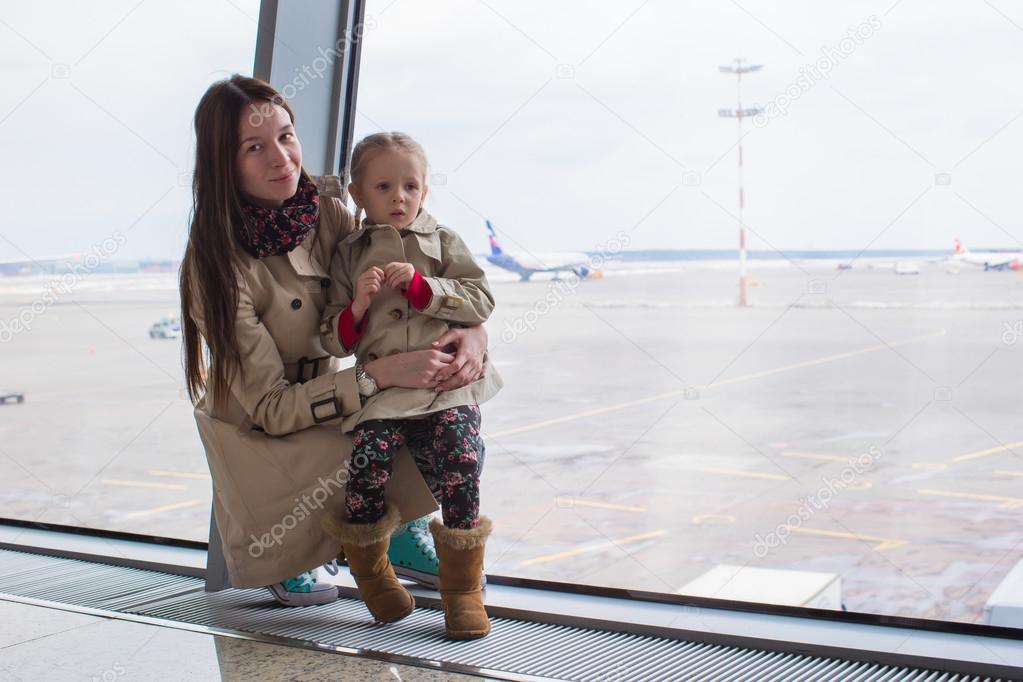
(461, 566)
(365, 547)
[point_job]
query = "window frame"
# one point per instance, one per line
(327, 109)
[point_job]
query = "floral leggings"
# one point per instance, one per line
(447, 448)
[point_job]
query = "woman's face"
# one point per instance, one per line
(269, 155)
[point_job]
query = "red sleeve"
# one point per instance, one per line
(418, 292)
(346, 329)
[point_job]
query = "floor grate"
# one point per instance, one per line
(516, 649)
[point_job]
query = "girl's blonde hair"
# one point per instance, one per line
(379, 142)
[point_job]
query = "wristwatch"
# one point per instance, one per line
(367, 384)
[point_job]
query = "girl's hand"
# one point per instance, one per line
(414, 369)
(366, 288)
(398, 274)
(470, 345)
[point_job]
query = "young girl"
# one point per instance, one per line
(397, 283)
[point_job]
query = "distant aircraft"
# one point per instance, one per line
(991, 260)
(525, 265)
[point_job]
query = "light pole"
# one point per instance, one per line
(739, 68)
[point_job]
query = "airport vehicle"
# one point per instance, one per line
(991, 260)
(907, 268)
(11, 397)
(168, 327)
(525, 265)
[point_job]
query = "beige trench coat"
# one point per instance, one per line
(277, 454)
(460, 295)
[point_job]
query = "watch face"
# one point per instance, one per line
(367, 386)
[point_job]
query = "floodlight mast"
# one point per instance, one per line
(738, 68)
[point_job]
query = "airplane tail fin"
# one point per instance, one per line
(495, 248)
(960, 249)
(586, 272)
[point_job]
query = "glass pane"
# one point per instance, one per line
(96, 128)
(850, 437)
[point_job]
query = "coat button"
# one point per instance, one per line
(296, 304)
(371, 356)
(396, 314)
(325, 283)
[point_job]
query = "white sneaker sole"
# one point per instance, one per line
(314, 598)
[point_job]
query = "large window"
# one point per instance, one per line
(851, 436)
(95, 128)
(840, 430)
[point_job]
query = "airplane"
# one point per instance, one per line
(525, 265)
(991, 260)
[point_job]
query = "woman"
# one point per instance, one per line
(269, 400)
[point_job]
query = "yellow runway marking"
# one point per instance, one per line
(810, 455)
(883, 543)
(743, 474)
(1006, 502)
(1004, 472)
(570, 502)
(735, 380)
(713, 518)
(164, 508)
(826, 358)
(989, 451)
(593, 548)
(178, 474)
(581, 415)
(143, 484)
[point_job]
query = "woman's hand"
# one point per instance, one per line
(470, 344)
(415, 369)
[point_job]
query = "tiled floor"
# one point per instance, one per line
(38, 643)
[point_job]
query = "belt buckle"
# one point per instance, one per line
(332, 400)
(302, 362)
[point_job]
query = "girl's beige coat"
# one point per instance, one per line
(460, 295)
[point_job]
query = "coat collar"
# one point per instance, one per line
(304, 262)
(424, 224)
(302, 259)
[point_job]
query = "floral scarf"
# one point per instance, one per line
(273, 231)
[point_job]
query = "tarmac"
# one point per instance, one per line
(858, 423)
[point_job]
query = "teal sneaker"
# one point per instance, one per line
(413, 555)
(303, 591)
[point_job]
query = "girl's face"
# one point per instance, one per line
(392, 187)
(269, 155)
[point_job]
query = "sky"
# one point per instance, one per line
(564, 124)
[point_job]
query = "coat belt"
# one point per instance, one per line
(305, 368)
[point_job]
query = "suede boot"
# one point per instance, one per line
(461, 566)
(365, 547)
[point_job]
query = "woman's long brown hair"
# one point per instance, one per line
(209, 267)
